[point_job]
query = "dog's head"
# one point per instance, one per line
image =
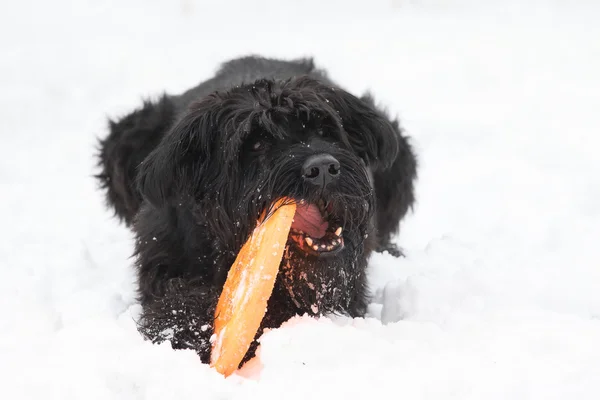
(232, 154)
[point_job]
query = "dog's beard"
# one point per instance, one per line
(319, 285)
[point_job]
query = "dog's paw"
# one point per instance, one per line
(391, 248)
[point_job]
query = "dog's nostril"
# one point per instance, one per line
(312, 173)
(334, 169)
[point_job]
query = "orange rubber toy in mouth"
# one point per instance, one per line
(250, 281)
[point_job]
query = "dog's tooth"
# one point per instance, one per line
(338, 231)
(329, 248)
(323, 246)
(315, 247)
(309, 241)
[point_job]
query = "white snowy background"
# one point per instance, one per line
(499, 295)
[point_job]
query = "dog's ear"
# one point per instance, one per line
(131, 138)
(180, 158)
(371, 132)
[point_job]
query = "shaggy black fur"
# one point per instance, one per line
(191, 174)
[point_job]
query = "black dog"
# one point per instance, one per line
(191, 174)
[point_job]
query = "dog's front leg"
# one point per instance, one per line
(184, 315)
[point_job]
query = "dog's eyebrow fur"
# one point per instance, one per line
(271, 108)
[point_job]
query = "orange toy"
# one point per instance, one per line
(243, 302)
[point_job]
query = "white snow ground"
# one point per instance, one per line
(499, 295)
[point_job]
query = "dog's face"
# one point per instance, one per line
(233, 154)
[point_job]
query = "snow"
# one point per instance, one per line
(499, 295)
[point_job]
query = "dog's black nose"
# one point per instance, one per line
(321, 169)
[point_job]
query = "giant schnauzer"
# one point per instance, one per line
(191, 174)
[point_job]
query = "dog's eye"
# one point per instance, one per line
(324, 133)
(258, 145)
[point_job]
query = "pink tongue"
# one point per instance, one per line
(308, 219)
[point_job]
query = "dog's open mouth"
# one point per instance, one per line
(315, 230)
